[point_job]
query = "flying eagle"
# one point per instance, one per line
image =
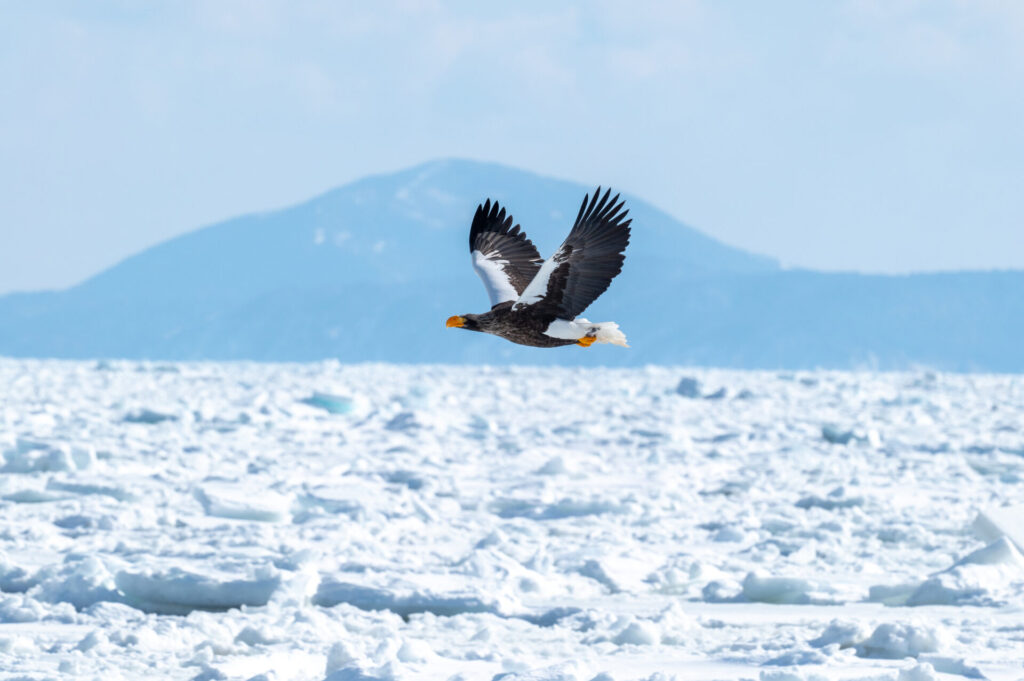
(536, 302)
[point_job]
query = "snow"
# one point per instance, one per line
(436, 522)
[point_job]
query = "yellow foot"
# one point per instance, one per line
(586, 341)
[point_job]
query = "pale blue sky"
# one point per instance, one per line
(881, 136)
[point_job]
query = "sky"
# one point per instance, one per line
(866, 135)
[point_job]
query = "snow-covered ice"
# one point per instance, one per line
(308, 522)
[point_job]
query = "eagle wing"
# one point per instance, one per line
(586, 262)
(506, 260)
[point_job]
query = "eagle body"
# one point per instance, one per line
(522, 326)
(537, 302)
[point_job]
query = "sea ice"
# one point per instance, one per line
(469, 522)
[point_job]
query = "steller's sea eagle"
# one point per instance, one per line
(536, 302)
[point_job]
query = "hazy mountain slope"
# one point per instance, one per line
(370, 271)
(389, 229)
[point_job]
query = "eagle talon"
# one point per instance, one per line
(586, 341)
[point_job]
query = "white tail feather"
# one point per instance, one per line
(608, 332)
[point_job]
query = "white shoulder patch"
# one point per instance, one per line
(492, 273)
(538, 287)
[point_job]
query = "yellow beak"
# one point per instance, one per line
(457, 322)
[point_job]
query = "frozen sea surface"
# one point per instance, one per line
(321, 521)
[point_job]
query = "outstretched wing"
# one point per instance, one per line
(504, 258)
(586, 262)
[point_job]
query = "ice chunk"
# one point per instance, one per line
(894, 640)
(413, 650)
(619, 572)
(721, 591)
(208, 673)
(94, 639)
(18, 609)
(78, 582)
(239, 502)
(354, 674)
(566, 671)
(34, 496)
(14, 578)
(255, 636)
(30, 456)
(835, 435)
(1008, 521)
(844, 634)
(411, 479)
(891, 594)
(331, 402)
(839, 436)
(638, 633)
(990, 575)
(729, 533)
(951, 665)
(87, 486)
(176, 591)
(837, 498)
(947, 590)
(553, 466)
(782, 590)
(79, 521)
(1000, 552)
(339, 657)
(148, 416)
(919, 672)
(564, 508)
(404, 421)
(790, 675)
(794, 658)
(400, 600)
(17, 645)
(348, 498)
(688, 387)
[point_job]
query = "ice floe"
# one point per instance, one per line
(322, 521)
(177, 591)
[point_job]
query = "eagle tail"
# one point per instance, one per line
(608, 332)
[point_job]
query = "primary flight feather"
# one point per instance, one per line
(537, 302)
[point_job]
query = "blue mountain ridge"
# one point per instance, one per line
(370, 271)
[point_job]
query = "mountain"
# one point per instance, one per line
(371, 270)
